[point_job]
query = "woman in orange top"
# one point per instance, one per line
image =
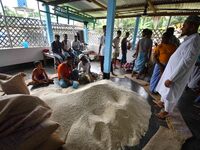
(162, 53)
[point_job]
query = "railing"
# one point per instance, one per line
(94, 37)
(22, 29)
(61, 29)
(34, 32)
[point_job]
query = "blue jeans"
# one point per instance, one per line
(155, 78)
(59, 57)
(74, 76)
(77, 53)
(63, 83)
(70, 54)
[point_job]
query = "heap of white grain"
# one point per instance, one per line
(99, 116)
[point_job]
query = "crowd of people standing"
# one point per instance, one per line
(174, 66)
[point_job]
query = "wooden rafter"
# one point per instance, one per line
(58, 2)
(151, 5)
(154, 3)
(157, 14)
(159, 2)
(117, 8)
(98, 4)
(137, 10)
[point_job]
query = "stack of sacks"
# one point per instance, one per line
(13, 84)
(4, 76)
(25, 124)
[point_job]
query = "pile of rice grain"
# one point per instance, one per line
(99, 116)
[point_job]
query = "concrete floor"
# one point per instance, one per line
(191, 115)
(154, 123)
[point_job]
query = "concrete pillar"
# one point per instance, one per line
(135, 32)
(48, 24)
(109, 37)
(85, 32)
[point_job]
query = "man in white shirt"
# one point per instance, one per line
(66, 43)
(66, 47)
(180, 65)
(76, 45)
(102, 49)
(116, 48)
(84, 64)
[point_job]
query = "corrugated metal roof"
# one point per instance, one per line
(82, 5)
(130, 8)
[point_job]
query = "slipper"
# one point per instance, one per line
(157, 107)
(196, 105)
(162, 115)
(159, 104)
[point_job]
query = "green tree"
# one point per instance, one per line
(177, 20)
(9, 12)
(146, 22)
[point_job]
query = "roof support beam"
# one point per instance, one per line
(109, 37)
(117, 8)
(157, 14)
(143, 4)
(58, 2)
(98, 4)
(151, 5)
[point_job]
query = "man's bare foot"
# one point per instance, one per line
(162, 115)
(160, 104)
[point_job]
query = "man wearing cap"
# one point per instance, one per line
(179, 67)
(84, 64)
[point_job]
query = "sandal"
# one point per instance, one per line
(162, 115)
(159, 103)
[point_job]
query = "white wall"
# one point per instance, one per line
(20, 55)
(24, 55)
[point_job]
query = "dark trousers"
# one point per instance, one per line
(101, 59)
(123, 60)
